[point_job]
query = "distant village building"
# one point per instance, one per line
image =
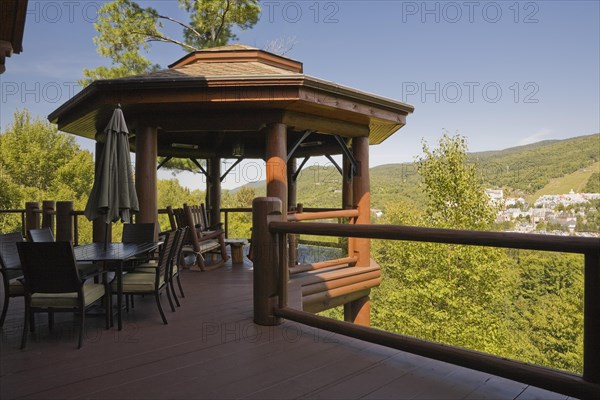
(496, 196)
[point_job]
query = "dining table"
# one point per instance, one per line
(114, 256)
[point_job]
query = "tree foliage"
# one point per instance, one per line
(126, 31)
(39, 163)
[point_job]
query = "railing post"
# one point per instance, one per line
(48, 208)
(591, 318)
(64, 221)
(32, 216)
(266, 259)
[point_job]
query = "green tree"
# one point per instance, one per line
(455, 196)
(593, 184)
(126, 30)
(39, 163)
(446, 293)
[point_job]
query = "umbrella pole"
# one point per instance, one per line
(106, 237)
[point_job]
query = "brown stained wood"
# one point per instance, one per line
(322, 264)
(32, 216)
(308, 216)
(48, 213)
(362, 198)
(212, 349)
(341, 291)
(566, 244)
(323, 123)
(276, 169)
(591, 317)
(64, 221)
(266, 252)
(214, 193)
(328, 285)
(145, 175)
(309, 278)
(555, 380)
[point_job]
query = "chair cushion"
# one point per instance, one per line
(139, 282)
(205, 246)
(15, 288)
(147, 267)
(91, 293)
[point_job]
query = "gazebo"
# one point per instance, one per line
(239, 102)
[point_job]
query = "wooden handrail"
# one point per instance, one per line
(308, 216)
(585, 386)
(529, 241)
(551, 379)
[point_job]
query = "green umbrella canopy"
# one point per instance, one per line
(113, 195)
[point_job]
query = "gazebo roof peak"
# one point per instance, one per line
(237, 54)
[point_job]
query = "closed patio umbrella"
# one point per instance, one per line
(113, 195)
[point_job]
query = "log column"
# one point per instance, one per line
(359, 310)
(146, 152)
(347, 196)
(64, 221)
(48, 211)
(32, 216)
(214, 190)
(292, 200)
(276, 154)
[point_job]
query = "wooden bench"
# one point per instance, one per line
(320, 286)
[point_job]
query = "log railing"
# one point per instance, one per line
(271, 277)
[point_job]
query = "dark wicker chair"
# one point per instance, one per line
(45, 235)
(176, 257)
(10, 269)
(142, 282)
(52, 283)
(40, 235)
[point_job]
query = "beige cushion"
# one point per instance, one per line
(139, 282)
(205, 246)
(147, 267)
(91, 293)
(15, 288)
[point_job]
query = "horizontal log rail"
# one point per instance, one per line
(584, 386)
(322, 264)
(308, 216)
(551, 379)
(565, 244)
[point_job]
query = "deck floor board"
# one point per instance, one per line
(212, 349)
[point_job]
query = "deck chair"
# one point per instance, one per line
(52, 283)
(10, 269)
(40, 235)
(174, 265)
(45, 235)
(201, 243)
(142, 282)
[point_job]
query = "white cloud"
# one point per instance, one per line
(540, 135)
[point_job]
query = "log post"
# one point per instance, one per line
(214, 194)
(266, 261)
(358, 311)
(64, 221)
(32, 216)
(276, 155)
(146, 151)
(292, 195)
(48, 210)
(347, 197)
(591, 318)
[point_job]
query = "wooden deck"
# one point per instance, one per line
(212, 349)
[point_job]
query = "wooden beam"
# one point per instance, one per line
(146, 175)
(276, 152)
(303, 121)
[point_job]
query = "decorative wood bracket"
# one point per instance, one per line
(293, 149)
(353, 163)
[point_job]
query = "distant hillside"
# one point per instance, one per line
(543, 167)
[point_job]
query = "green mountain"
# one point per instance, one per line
(538, 168)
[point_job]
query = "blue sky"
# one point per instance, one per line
(502, 73)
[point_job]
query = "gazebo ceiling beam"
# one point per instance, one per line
(299, 169)
(163, 162)
(349, 155)
(299, 142)
(301, 121)
(235, 164)
(335, 164)
(201, 168)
